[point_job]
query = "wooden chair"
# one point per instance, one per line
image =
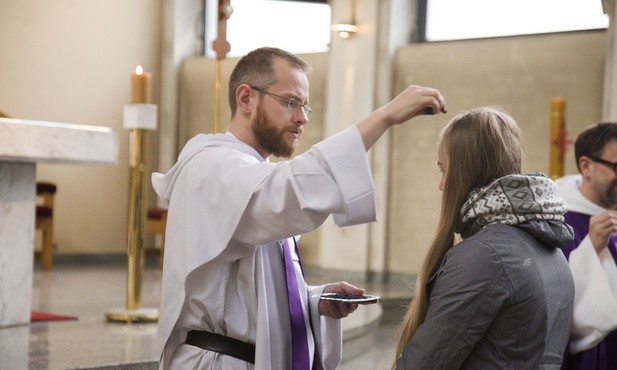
(156, 221)
(45, 192)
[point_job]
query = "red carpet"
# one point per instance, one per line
(45, 316)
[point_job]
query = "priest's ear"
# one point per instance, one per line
(584, 164)
(243, 99)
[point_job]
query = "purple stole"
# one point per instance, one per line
(299, 342)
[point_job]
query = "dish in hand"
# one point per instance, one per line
(349, 298)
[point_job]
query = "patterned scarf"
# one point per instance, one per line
(511, 200)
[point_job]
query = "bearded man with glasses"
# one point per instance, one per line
(592, 201)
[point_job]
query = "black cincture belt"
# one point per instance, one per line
(221, 344)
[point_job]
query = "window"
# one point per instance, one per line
(296, 26)
(455, 19)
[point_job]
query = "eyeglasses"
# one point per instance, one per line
(612, 165)
(292, 104)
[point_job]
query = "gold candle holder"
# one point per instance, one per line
(138, 116)
(558, 137)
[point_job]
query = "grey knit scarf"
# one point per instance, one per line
(511, 200)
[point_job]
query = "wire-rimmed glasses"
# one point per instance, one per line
(292, 103)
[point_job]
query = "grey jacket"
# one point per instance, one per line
(502, 299)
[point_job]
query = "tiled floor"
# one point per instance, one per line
(89, 291)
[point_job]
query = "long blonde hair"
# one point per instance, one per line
(481, 145)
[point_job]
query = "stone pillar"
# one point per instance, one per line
(359, 81)
(17, 202)
(609, 104)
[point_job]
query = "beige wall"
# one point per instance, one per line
(520, 74)
(70, 61)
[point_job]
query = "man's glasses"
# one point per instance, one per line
(612, 165)
(292, 104)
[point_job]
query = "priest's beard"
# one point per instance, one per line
(608, 195)
(269, 137)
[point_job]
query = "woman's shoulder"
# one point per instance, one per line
(478, 251)
(472, 262)
(488, 245)
(503, 244)
(493, 235)
(488, 236)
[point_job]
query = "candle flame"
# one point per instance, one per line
(139, 70)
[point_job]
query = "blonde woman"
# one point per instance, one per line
(500, 298)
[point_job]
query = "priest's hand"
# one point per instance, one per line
(338, 310)
(413, 101)
(600, 229)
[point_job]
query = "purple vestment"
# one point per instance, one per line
(604, 355)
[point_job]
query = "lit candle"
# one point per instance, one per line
(140, 86)
(558, 138)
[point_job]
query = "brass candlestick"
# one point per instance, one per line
(558, 138)
(137, 117)
(136, 218)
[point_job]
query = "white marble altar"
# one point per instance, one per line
(23, 144)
